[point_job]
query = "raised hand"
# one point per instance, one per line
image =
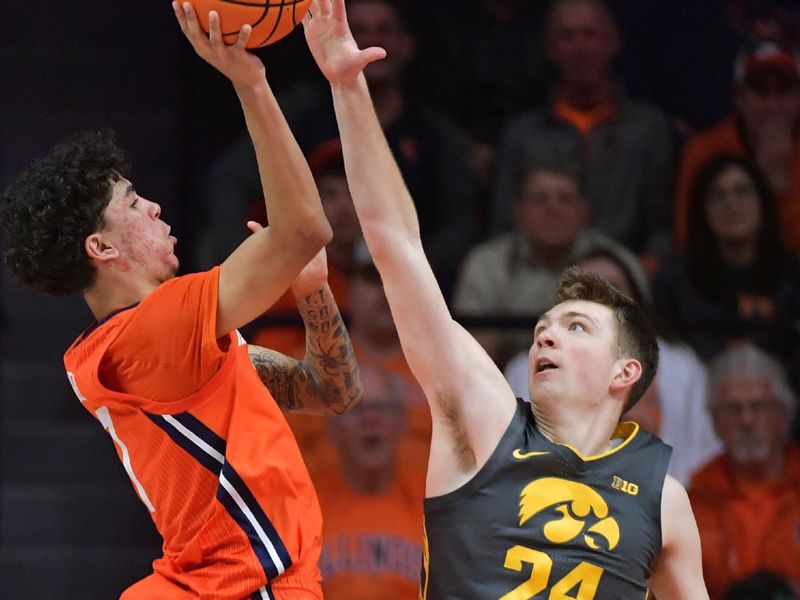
(243, 68)
(332, 45)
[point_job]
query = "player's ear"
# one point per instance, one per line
(99, 248)
(628, 372)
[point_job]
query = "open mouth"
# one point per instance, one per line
(545, 364)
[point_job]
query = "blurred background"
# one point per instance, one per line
(474, 93)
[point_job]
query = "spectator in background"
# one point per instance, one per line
(747, 501)
(764, 128)
(737, 279)
(626, 146)
(674, 408)
(514, 274)
(371, 504)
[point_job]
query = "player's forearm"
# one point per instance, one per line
(379, 193)
(329, 352)
(290, 194)
(326, 381)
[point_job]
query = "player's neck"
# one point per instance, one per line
(588, 431)
(110, 294)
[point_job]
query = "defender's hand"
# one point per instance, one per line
(332, 45)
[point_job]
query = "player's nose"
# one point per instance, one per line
(545, 338)
(155, 210)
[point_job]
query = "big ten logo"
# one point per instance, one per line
(624, 486)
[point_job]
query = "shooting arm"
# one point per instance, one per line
(257, 273)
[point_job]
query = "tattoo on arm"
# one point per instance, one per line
(326, 381)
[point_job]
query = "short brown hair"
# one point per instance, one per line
(636, 336)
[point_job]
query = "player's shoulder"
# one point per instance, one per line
(182, 287)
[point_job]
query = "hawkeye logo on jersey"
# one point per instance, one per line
(520, 455)
(583, 512)
(625, 486)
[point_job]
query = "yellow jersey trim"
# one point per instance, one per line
(626, 430)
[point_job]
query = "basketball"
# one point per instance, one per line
(271, 19)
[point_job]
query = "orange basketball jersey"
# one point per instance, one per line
(205, 446)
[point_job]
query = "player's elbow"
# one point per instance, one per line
(308, 238)
(317, 232)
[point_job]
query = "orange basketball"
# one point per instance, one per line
(271, 19)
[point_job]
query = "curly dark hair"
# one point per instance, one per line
(636, 336)
(51, 208)
(705, 265)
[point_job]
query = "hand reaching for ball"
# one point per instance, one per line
(241, 67)
(332, 45)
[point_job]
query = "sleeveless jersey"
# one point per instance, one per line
(218, 469)
(540, 522)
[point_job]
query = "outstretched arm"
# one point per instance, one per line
(471, 404)
(326, 381)
(257, 273)
(678, 571)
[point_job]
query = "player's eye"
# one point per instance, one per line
(133, 204)
(576, 326)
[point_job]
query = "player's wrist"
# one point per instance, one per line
(253, 90)
(301, 289)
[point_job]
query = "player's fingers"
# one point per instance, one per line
(321, 7)
(192, 24)
(254, 226)
(180, 16)
(243, 37)
(337, 10)
(214, 30)
(372, 54)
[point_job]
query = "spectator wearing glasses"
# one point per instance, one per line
(764, 127)
(747, 500)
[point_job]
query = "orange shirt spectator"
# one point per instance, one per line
(747, 527)
(726, 138)
(747, 501)
(765, 128)
(371, 501)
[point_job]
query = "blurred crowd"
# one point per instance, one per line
(654, 142)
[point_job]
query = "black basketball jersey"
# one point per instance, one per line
(538, 521)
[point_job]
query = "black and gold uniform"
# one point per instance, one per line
(539, 521)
